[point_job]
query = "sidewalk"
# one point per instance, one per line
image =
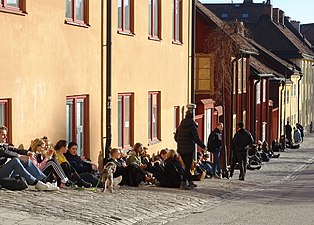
(145, 204)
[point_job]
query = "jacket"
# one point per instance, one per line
(241, 140)
(173, 173)
(186, 136)
(8, 151)
(79, 165)
(214, 139)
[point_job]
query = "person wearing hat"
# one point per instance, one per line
(241, 142)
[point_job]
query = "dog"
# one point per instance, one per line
(107, 176)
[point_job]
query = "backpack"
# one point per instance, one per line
(211, 140)
(17, 183)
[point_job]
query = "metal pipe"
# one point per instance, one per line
(102, 80)
(280, 112)
(193, 51)
(299, 97)
(254, 113)
(108, 80)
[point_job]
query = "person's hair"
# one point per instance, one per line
(137, 146)
(3, 128)
(172, 154)
(60, 144)
(114, 150)
(71, 144)
(241, 125)
(163, 151)
(188, 114)
(35, 143)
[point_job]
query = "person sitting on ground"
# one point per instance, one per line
(173, 173)
(199, 172)
(269, 151)
(48, 165)
(20, 164)
(301, 129)
(207, 166)
(61, 148)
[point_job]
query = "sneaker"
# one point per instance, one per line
(218, 177)
(40, 186)
(184, 186)
(117, 181)
(52, 187)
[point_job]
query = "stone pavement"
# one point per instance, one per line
(146, 204)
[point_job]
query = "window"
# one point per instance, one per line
(204, 77)
(264, 90)
(153, 116)
(125, 120)
(224, 15)
(5, 115)
(177, 21)
(244, 74)
(288, 97)
(77, 125)
(176, 117)
(125, 16)
(154, 22)
(77, 11)
(12, 5)
(258, 92)
(245, 15)
(240, 75)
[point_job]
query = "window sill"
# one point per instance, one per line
(154, 38)
(13, 11)
(176, 42)
(127, 33)
(76, 24)
(153, 142)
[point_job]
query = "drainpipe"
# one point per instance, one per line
(281, 93)
(108, 80)
(193, 52)
(232, 104)
(100, 161)
(254, 113)
(299, 85)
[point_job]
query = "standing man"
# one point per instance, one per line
(289, 133)
(214, 145)
(241, 142)
(186, 136)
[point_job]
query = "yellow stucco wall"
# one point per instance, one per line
(141, 65)
(44, 60)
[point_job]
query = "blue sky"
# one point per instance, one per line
(301, 10)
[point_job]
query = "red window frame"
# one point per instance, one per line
(123, 144)
(20, 9)
(122, 29)
(152, 21)
(151, 138)
(177, 39)
(74, 99)
(73, 20)
(7, 116)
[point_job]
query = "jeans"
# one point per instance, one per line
(187, 159)
(216, 169)
(32, 169)
(242, 160)
(15, 166)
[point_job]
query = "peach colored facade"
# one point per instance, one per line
(45, 60)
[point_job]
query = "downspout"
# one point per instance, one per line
(299, 85)
(108, 80)
(193, 51)
(100, 161)
(281, 93)
(254, 113)
(232, 104)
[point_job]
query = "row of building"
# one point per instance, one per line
(112, 73)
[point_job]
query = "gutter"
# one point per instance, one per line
(108, 78)
(299, 85)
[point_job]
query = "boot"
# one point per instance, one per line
(192, 184)
(184, 186)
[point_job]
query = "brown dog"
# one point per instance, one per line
(107, 176)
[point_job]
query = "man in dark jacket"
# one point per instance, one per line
(241, 142)
(186, 136)
(288, 130)
(214, 145)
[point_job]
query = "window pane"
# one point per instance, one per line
(173, 19)
(69, 13)
(150, 17)
(120, 121)
(13, 3)
(178, 19)
(69, 118)
(2, 116)
(120, 14)
(155, 116)
(126, 15)
(80, 10)
(149, 116)
(80, 125)
(156, 18)
(127, 120)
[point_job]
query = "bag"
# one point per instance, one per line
(14, 183)
(210, 144)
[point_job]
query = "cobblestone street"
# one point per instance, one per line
(146, 204)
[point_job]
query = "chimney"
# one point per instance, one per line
(296, 25)
(281, 17)
(276, 15)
